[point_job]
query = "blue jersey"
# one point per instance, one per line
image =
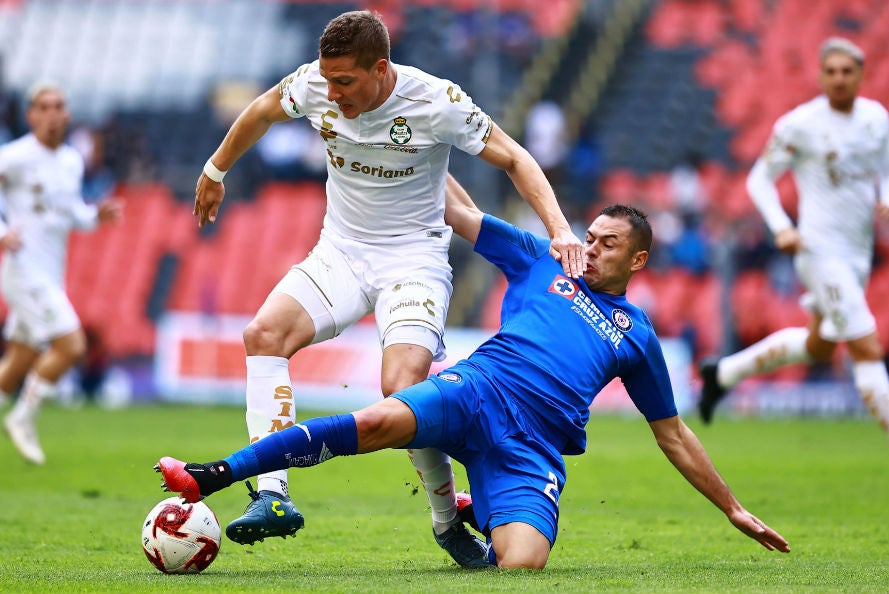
(570, 341)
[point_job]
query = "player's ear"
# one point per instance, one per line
(639, 260)
(381, 67)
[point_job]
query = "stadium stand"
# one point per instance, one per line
(690, 77)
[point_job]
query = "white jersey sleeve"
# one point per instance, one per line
(458, 121)
(779, 156)
(292, 91)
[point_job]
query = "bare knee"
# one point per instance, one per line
(389, 423)
(261, 338)
(819, 349)
(520, 546)
(71, 347)
(267, 336)
(403, 366)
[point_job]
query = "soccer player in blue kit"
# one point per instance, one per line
(513, 408)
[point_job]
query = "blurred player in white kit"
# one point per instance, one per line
(837, 146)
(388, 130)
(40, 185)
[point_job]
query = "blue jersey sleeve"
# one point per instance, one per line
(511, 249)
(648, 383)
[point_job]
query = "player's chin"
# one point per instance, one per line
(348, 110)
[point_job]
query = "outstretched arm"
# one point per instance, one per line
(461, 213)
(683, 449)
(528, 178)
(250, 126)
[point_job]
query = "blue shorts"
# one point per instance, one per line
(515, 473)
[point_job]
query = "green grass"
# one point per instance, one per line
(629, 522)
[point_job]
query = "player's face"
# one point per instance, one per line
(48, 118)
(354, 89)
(612, 257)
(840, 78)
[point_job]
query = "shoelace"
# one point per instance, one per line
(253, 494)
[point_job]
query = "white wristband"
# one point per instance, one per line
(214, 173)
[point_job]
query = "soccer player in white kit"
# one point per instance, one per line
(388, 131)
(837, 146)
(40, 184)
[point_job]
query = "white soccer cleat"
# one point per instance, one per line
(24, 437)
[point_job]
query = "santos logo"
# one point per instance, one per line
(380, 171)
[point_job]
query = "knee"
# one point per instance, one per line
(386, 424)
(820, 350)
(390, 384)
(261, 338)
(369, 422)
(523, 560)
(520, 546)
(409, 369)
(73, 347)
(866, 349)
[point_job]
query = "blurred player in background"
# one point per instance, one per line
(521, 400)
(837, 146)
(388, 130)
(40, 184)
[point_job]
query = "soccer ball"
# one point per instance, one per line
(181, 537)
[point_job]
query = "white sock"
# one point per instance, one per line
(269, 409)
(775, 350)
(34, 392)
(872, 382)
(437, 476)
(5, 398)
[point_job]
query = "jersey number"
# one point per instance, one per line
(552, 489)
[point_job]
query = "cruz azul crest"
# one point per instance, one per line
(400, 133)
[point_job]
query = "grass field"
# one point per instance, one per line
(629, 522)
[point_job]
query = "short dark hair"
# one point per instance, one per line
(359, 33)
(638, 221)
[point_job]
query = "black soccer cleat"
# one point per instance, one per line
(193, 481)
(711, 392)
(267, 514)
(467, 550)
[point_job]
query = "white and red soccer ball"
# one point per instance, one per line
(181, 537)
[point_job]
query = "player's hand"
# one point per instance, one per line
(12, 241)
(883, 211)
(789, 240)
(566, 248)
(208, 195)
(110, 210)
(755, 529)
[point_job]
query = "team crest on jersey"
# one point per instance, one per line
(400, 133)
(563, 286)
(450, 376)
(622, 320)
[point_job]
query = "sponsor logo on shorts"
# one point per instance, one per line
(450, 376)
(622, 320)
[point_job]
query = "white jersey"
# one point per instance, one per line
(839, 162)
(386, 168)
(41, 188)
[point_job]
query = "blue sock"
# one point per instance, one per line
(307, 443)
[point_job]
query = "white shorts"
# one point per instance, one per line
(405, 282)
(39, 310)
(837, 292)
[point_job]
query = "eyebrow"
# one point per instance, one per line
(603, 236)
